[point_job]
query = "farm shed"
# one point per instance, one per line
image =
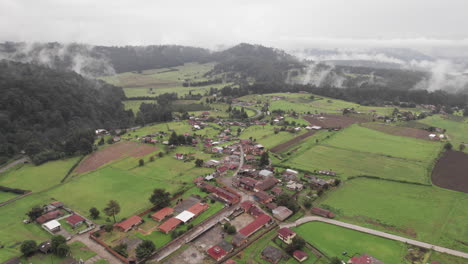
(185, 216)
(75, 220)
(272, 254)
(322, 212)
(300, 255)
(129, 223)
(281, 213)
(163, 213)
(52, 226)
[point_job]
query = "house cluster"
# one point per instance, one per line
(275, 255)
(153, 138)
(436, 137)
(319, 183)
(226, 196)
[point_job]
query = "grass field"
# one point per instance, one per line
(266, 135)
(333, 240)
(456, 130)
(445, 258)
(427, 213)
(179, 127)
(5, 196)
(36, 178)
(134, 105)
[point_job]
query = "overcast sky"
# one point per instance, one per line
(209, 23)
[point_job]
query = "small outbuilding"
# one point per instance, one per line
(52, 226)
(75, 220)
(272, 254)
(300, 255)
(162, 214)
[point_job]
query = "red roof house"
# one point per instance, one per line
(75, 220)
(216, 252)
(129, 223)
(300, 255)
(246, 205)
(254, 226)
(198, 208)
(286, 235)
(364, 259)
(163, 213)
(49, 216)
(169, 225)
(322, 212)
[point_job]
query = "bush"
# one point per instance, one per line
(141, 162)
(108, 228)
(231, 230)
(28, 247)
(448, 146)
(121, 249)
(63, 250)
(145, 249)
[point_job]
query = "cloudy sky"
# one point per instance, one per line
(210, 23)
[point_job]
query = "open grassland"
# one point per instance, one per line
(303, 103)
(37, 178)
(333, 240)
(78, 251)
(5, 196)
(134, 105)
(266, 135)
(349, 163)
(361, 139)
(445, 258)
(180, 127)
(457, 130)
(425, 213)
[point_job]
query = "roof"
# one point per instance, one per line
(246, 205)
(198, 208)
(216, 252)
(255, 211)
(49, 216)
(57, 204)
(128, 223)
(248, 181)
(52, 224)
(265, 173)
(365, 259)
(277, 190)
(225, 245)
(266, 184)
(185, 216)
(272, 253)
(291, 171)
(271, 206)
(285, 232)
(322, 212)
(238, 238)
(255, 225)
(161, 214)
(74, 219)
(262, 196)
(298, 254)
(282, 212)
(169, 224)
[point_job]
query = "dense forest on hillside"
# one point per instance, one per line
(50, 113)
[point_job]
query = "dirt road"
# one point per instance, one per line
(14, 163)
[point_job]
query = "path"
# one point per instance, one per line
(14, 163)
(100, 251)
(376, 233)
(258, 112)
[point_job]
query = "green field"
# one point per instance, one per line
(180, 127)
(5, 196)
(37, 178)
(134, 105)
(456, 130)
(333, 240)
(266, 135)
(361, 151)
(445, 258)
(425, 213)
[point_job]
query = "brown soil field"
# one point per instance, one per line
(451, 171)
(399, 131)
(287, 144)
(114, 152)
(333, 121)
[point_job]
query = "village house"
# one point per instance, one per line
(364, 259)
(316, 183)
(49, 216)
(211, 164)
(162, 214)
(45, 247)
(247, 183)
(272, 254)
(169, 225)
(322, 212)
(257, 224)
(52, 226)
(263, 197)
(272, 206)
(75, 220)
(239, 239)
(281, 213)
(290, 175)
(129, 223)
(216, 252)
(300, 256)
(265, 174)
(286, 235)
(294, 186)
(266, 184)
(226, 196)
(327, 172)
(276, 191)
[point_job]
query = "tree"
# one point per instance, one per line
(145, 249)
(141, 162)
(461, 147)
(94, 212)
(448, 146)
(335, 260)
(160, 198)
(151, 159)
(63, 250)
(231, 230)
(112, 209)
(35, 212)
(198, 162)
(264, 159)
(174, 139)
(28, 247)
(56, 241)
(297, 244)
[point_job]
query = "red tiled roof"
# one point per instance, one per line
(161, 214)
(74, 219)
(169, 225)
(255, 211)
(216, 252)
(322, 212)
(285, 232)
(246, 205)
(49, 216)
(198, 208)
(300, 254)
(128, 223)
(255, 225)
(222, 169)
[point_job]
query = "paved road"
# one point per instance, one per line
(100, 250)
(376, 233)
(12, 164)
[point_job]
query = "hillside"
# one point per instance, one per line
(51, 113)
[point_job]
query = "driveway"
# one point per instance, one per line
(100, 251)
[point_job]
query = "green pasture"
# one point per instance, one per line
(457, 128)
(446, 258)
(134, 105)
(333, 240)
(425, 213)
(266, 136)
(37, 178)
(179, 127)
(5, 196)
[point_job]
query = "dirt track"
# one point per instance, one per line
(451, 171)
(114, 152)
(287, 144)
